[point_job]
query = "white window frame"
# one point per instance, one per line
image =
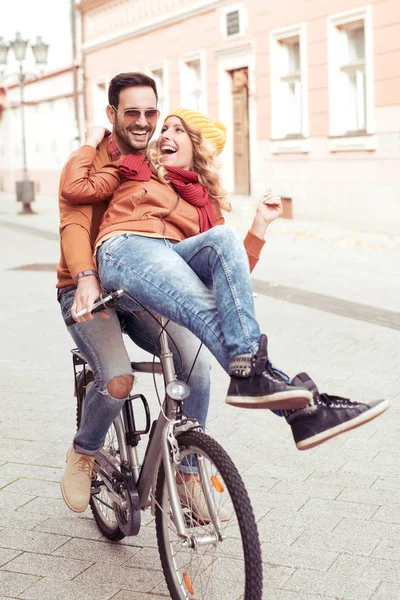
(184, 60)
(243, 20)
(282, 143)
(162, 65)
(339, 139)
(97, 118)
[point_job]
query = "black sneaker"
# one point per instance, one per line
(328, 415)
(255, 384)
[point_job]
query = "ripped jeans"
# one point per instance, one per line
(100, 341)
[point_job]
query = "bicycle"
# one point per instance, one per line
(201, 559)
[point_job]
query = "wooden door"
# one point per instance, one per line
(240, 100)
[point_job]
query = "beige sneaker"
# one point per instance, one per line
(76, 481)
(191, 495)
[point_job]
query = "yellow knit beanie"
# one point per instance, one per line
(213, 131)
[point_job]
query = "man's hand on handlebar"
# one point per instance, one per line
(87, 292)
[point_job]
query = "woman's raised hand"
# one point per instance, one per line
(270, 206)
(94, 135)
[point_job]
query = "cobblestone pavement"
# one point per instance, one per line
(329, 518)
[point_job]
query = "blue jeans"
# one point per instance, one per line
(101, 342)
(202, 283)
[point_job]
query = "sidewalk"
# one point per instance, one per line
(328, 518)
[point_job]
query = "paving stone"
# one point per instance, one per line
(342, 478)
(276, 594)
(114, 554)
(77, 526)
(376, 496)
(274, 576)
(34, 487)
(348, 565)
(387, 483)
(52, 589)
(320, 507)
(380, 530)
(14, 584)
(390, 513)
(145, 538)
(18, 519)
(389, 549)
(337, 542)
(302, 521)
(44, 566)
(329, 584)
(146, 558)
(292, 556)
(6, 480)
(120, 577)
(278, 471)
(47, 506)
(31, 541)
(7, 555)
(277, 533)
(308, 489)
(124, 595)
(12, 501)
(30, 472)
(387, 591)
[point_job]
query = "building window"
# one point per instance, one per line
(233, 20)
(354, 71)
(159, 73)
(100, 102)
(193, 86)
(289, 94)
(232, 23)
(350, 79)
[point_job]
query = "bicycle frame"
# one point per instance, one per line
(162, 443)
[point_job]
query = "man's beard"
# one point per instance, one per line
(123, 135)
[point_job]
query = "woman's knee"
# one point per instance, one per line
(223, 233)
(120, 387)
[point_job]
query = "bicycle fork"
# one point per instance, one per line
(170, 456)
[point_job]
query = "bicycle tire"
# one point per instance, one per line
(186, 575)
(104, 517)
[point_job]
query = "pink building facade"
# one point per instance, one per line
(309, 92)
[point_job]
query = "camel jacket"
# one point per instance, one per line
(142, 207)
(79, 227)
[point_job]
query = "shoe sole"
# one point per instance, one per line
(279, 401)
(68, 504)
(365, 417)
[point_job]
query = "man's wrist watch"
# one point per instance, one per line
(86, 274)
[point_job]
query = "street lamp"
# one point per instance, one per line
(25, 188)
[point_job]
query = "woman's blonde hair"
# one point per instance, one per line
(204, 164)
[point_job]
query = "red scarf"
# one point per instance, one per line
(134, 166)
(186, 183)
(188, 187)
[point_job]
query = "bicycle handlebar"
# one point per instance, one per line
(105, 300)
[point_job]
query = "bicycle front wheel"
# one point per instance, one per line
(224, 563)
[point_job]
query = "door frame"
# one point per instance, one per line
(230, 59)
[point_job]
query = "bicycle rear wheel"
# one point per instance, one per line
(101, 501)
(228, 567)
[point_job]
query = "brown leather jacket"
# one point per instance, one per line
(149, 207)
(79, 227)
